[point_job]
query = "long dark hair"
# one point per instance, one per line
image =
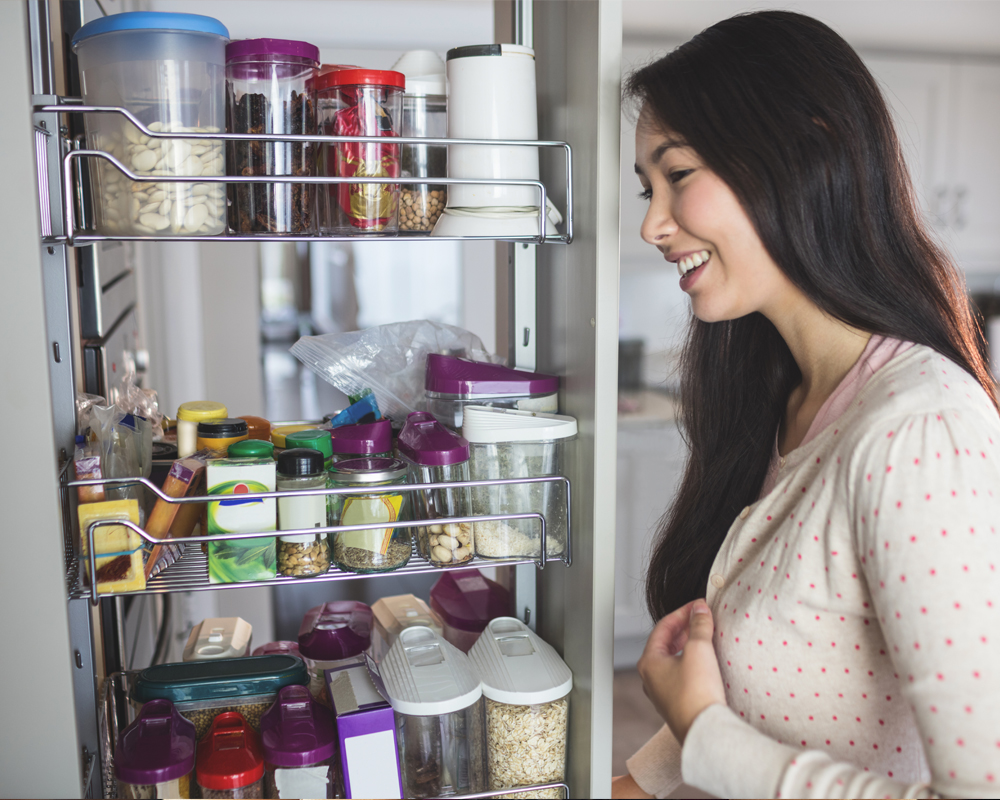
(781, 108)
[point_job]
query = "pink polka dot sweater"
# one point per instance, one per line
(857, 608)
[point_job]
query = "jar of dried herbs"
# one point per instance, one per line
(375, 549)
(269, 90)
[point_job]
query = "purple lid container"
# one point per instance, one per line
(297, 731)
(337, 630)
(427, 442)
(466, 600)
(364, 438)
(282, 648)
(158, 747)
(248, 48)
(459, 376)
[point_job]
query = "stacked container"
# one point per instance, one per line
(332, 635)
(453, 383)
(466, 601)
(505, 443)
(438, 455)
(230, 761)
(154, 756)
(437, 699)
(300, 745)
(526, 686)
(362, 440)
(219, 637)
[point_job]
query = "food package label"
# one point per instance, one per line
(119, 550)
(240, 560)
(373, 508)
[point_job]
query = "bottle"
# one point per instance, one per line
(188, 417)
(304, 554)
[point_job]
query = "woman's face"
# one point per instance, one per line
(695, 220)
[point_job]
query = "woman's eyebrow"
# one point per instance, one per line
(658, 154)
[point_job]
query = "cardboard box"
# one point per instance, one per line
(241, 560)
(118, 549)
(176, 520)
(366, 731)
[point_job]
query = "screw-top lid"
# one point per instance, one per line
(218, 637)
(427, 442)
(462, 377)
(315, 439)
(367, 470)
(362, 438)
(229, 755)
(247, 48)
(280, 434)
(184, 682)
(299, 462)
(225, 428)
(150, 21)
(281, 647)
(251, 448)
(479, 50)
(424, 71)
(157, 747)
(361, 77)
(257, 427)
(425, 676)
(200, 410)
(517, 667)
(337, 630)
(481, 424)
(467, 600)
(297, 731)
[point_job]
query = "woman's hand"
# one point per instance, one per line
(679, 670)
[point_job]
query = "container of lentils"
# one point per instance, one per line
(299, 742)
(168, 70)
(438, 455)
(154, 756)
(526, 685)
(269, 90)
(333, 635)
(301, 555)
(200, 690)
(230, 760)
(374, 549)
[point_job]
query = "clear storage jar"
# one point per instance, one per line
(168, 70)
(302, 555)
(154, 756)
(333, 635)
(373, 549)
(300, 744)
(269, 90)
(360, 102)
(230, 763)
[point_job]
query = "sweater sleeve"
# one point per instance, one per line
(656, 766)
(925, 501)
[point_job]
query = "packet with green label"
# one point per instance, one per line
(241, 560)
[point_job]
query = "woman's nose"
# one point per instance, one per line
(658, 224)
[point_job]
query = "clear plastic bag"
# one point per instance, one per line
(126, 447)
(388, 359)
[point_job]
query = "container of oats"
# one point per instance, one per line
(526, 685)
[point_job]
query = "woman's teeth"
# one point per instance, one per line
(693, 261)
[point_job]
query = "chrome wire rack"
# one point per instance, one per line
(72, 178)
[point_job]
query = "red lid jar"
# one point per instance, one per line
(230, 762)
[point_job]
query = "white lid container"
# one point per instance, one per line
(219, 637)
(483, 424)
(395, 614)
(517, 666)
(426, 676)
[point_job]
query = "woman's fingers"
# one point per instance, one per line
(671, 632)
(701, 627)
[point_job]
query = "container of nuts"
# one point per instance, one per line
(436, 454)
(526, 685)
(301, 555)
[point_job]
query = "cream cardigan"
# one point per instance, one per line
(857, 608)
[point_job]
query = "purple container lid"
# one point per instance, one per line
(427, 442)
(158, 747)
(459, 376)
(297, 731)
(363, 438)
(467, 600)
(336, 630)
(242, 48)
(282, 648)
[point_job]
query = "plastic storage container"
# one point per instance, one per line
(395, 614)
(257, 427)
(269, 90)
(437, 699)
(360, 102)
(371, 549)
(154, 756)
(278, 648)
(466, 601)
(362, 440)
(230, 761)
(168, 70)
(315, 440)
(332, 635)
(505, 443)
(425, 115)
(438, 455)
(302, 554)
(219, 637)
(299, 743)
(527, 687)
(219, 434)
(454, 383)
(202, 689)
(188, 417)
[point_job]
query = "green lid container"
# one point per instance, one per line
(317, 439)
(251, 448)
(193, 681)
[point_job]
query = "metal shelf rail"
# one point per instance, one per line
(76, 238)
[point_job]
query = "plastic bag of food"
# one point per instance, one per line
(126, 448)
(388, 359)
(85, 404)
(133, 399)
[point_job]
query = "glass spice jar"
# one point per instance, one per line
(303, 554)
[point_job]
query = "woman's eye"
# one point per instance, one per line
(646, 194)
(679, 174)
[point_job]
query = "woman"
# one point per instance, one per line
(837, 512)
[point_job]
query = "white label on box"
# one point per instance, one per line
(302, 782)
(371, 763)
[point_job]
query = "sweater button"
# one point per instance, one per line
(745, 513)
(781, 462)
(718, 581)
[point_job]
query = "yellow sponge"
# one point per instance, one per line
(121, 570)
